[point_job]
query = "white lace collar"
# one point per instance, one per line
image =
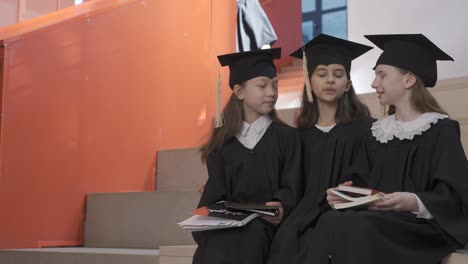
(387, 128)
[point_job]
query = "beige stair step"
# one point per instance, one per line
(288, 115)
(79, 255)
(145, 220)
(292, 74)
(177, 254)
(459, 257)
(180, 169)
(296, 81)
(297, 62)
(294, 88)
(287, 101)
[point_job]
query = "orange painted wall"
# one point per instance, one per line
(286, 18)
(90, 94)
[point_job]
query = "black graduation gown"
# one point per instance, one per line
(432, 165)
(324, 158)
(253, 27)
(269, 171)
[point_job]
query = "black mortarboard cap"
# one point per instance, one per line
(411, 52)
(244, 66)
(325, 49)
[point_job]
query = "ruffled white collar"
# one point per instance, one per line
(387, 128)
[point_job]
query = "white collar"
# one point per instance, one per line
(325, 129)
(258, 125)
(387, 128)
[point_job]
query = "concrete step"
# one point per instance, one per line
(180, 169)
(166, 255)
(291, 74)
(297, 62)
(79, 255)
(184, 255)
(289, 115)
(145, 220)
(297, 88)
(177, 254)
(459, 257)
(297, 81)
(291, 84)
(294, 88)
(288, 100)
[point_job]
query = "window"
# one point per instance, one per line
(324, 16)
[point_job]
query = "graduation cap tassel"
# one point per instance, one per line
(218, 116)
(306, 77)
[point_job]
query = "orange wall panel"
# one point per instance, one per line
(88, 101)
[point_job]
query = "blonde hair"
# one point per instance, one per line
(421, 99)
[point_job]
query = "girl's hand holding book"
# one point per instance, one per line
(334, 199)
(276, 220)
(399, 202)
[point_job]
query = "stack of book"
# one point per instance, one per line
(226, 215)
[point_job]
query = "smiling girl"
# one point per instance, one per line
(253, 157)
(416, 157)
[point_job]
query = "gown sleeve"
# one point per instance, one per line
(290, 187)
(446, 197)
(214, 190)
(359, 165)
(312, 145)
(215, 187)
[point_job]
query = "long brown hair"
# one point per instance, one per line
(233, 114)
(421, 99)
(349, 108)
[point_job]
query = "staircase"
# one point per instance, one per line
(291, 83)
(134, 227)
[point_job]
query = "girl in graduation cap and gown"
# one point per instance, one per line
(332, 123)
(416, 157)
(253, 157)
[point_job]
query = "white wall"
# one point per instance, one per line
(8, 12)
(33, 8)
(444, 22)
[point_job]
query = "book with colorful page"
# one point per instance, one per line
(225, 215)
(357, 197)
